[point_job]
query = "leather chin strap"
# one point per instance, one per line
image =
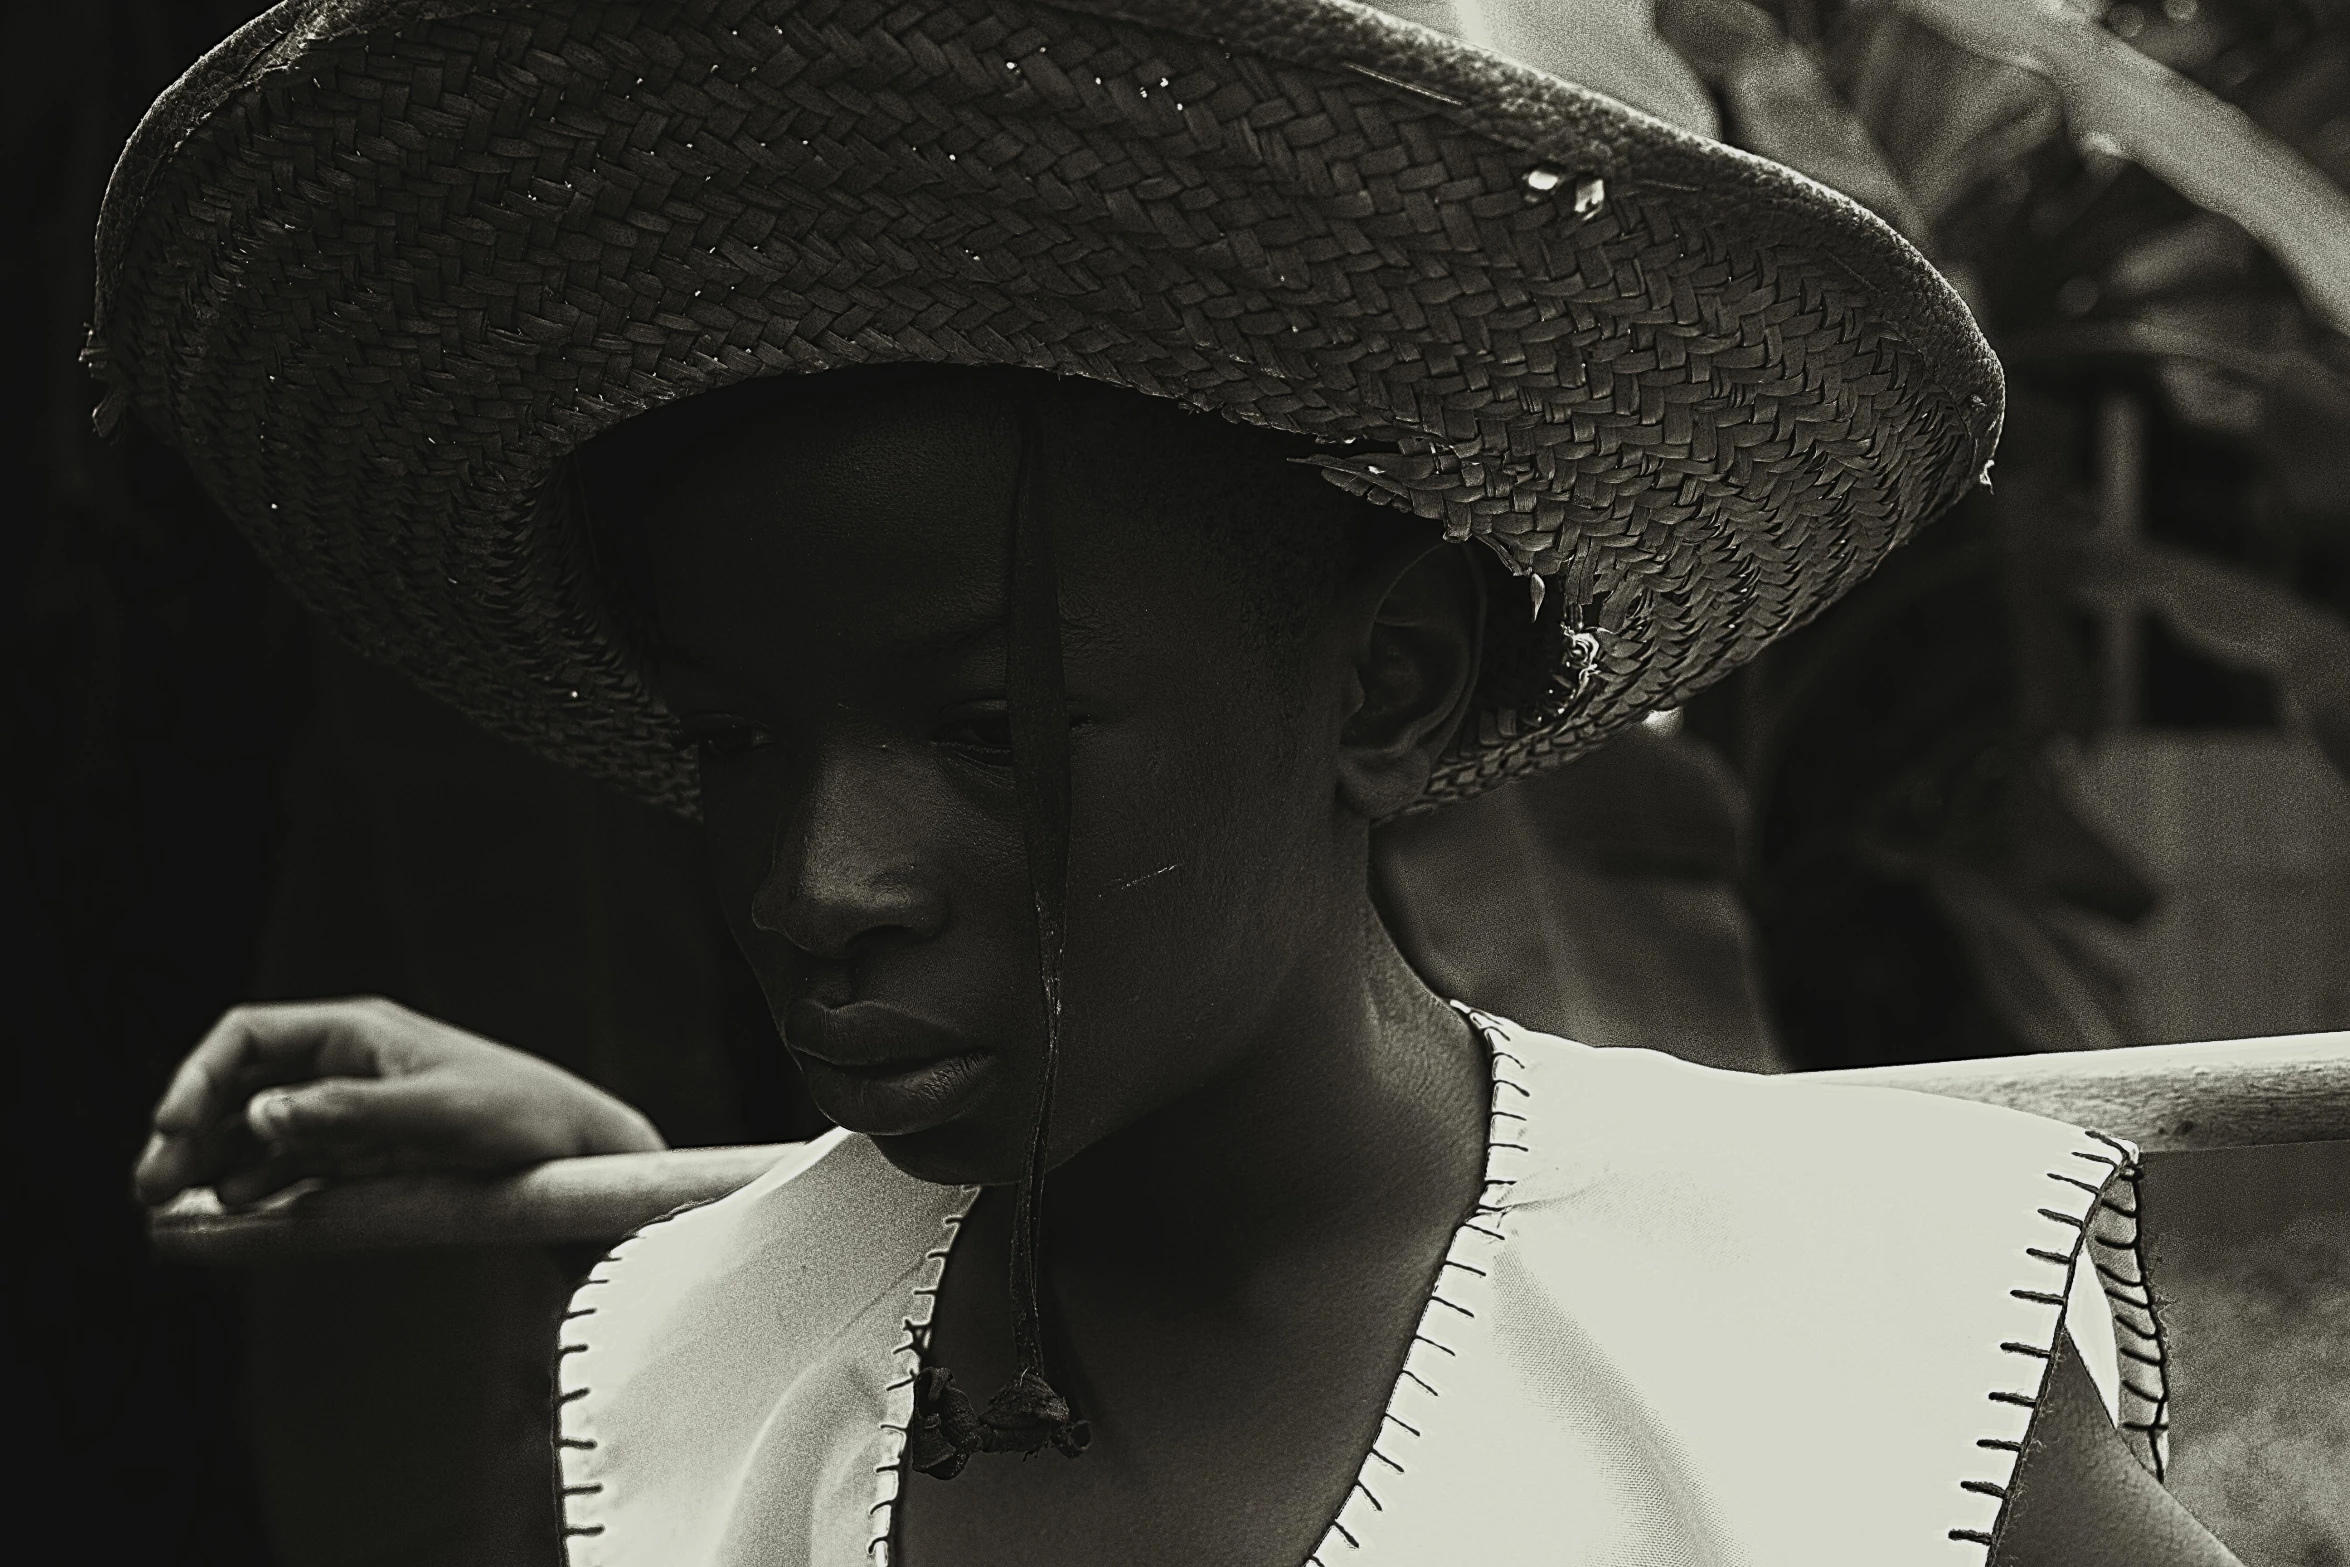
(1026, 1414)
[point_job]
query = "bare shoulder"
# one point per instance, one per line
(2081, 1499)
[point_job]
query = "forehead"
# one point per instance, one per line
(898, 497)
(876, 512)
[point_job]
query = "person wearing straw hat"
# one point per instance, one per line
(1041, 479)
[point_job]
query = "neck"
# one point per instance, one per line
(1358, 1119)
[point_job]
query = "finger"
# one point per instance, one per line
(355, 1125)
(244, 1187)
(278, 1042)
(241, 1188)
(173, 1162)
(166, 1167)
(160, 1172)
(199, 1089)
(244, 1039)
(324, 1117)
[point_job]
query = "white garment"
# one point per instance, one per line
(1702, 1318)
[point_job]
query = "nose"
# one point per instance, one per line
(845, 876)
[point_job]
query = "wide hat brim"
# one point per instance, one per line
(376, 266)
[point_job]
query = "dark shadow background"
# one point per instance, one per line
(209, 802)
(155, 680)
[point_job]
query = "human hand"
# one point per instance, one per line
(365, 1087)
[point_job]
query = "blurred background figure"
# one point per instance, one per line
(2068, 773)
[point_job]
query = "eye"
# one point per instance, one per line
(981, 730)
(720, 736)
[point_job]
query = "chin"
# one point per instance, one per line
(960, 1154)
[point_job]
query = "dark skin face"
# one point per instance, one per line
(1262, 1115)
(833, 613)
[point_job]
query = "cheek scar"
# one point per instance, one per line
(1129, 886)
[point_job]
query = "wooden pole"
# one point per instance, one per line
(594, 1199)
(2228, 1094)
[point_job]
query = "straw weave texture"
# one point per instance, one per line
(377, 266)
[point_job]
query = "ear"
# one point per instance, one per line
(1414, 669)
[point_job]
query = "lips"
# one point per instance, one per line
(883, 1072)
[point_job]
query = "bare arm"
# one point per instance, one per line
(2082, 1499)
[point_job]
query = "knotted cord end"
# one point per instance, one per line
(1026, 1416)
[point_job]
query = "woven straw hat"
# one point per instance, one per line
(376, 266)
